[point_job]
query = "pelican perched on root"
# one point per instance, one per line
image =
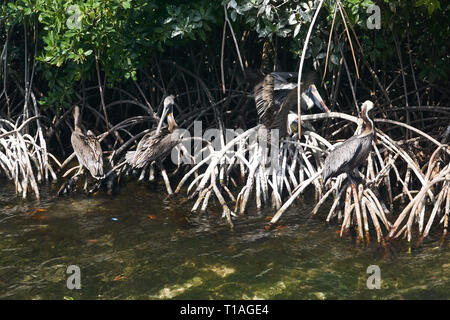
(88, 152)
(274, 97)
(346, 158)
(155, 146)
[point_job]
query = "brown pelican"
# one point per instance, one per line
(87, 149)
(156, 145)
(348, 156)
(275, 96)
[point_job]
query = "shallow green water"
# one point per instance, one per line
(138, 245)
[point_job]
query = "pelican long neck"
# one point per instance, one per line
(171, 120)
(76, 118)
(368, 123)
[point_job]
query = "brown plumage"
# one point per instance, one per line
(87, 148)
(352, 153)
(275, 96)
(156, 146)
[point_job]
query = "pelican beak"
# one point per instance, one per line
(168, 103)
(171, 119)
(163, 115)
(317, 98)
(165, 112)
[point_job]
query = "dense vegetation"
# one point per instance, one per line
(62, 41)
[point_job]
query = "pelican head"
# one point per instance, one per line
(168, 111)
(367, 106)
(169, 100)
(168, 106)
(315, 96)
(76, 111)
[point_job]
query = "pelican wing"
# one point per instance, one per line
(283, 78)
(152, 147)
(139, 157)
(340, 159)
(264, 99)
(279, 96)
(284, 82)
(89, 152)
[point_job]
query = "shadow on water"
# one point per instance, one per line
(139, 245)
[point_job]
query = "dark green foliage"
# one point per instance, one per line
(125, 35)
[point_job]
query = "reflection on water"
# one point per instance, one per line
(140, 245)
